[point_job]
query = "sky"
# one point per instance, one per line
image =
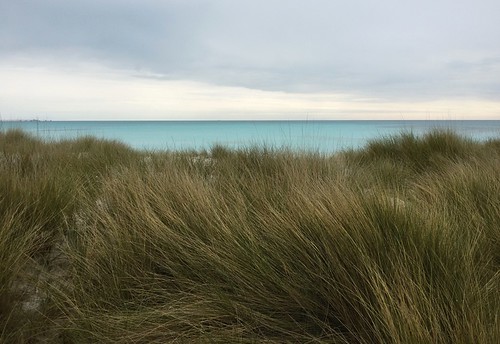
(259, 59)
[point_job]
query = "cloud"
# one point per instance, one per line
(149, 35)
(97, 93)
(390, 49)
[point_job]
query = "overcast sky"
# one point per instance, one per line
(259, 59)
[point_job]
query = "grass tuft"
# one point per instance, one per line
(395, 243)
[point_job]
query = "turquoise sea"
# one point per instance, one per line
(323, 136)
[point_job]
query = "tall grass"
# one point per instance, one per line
(396, 243)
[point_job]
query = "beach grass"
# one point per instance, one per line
(397, 242)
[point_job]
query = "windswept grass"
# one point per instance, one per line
(396, 243)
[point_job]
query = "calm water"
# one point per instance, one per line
(325, 136)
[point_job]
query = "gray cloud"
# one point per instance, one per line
(391, 49)
(117, 32)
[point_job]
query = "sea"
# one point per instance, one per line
(321, 136)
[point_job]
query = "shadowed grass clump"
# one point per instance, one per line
(421, 153)
(261, 245)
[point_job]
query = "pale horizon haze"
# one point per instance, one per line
(249, 60)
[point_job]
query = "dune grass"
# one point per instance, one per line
(398, 242)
